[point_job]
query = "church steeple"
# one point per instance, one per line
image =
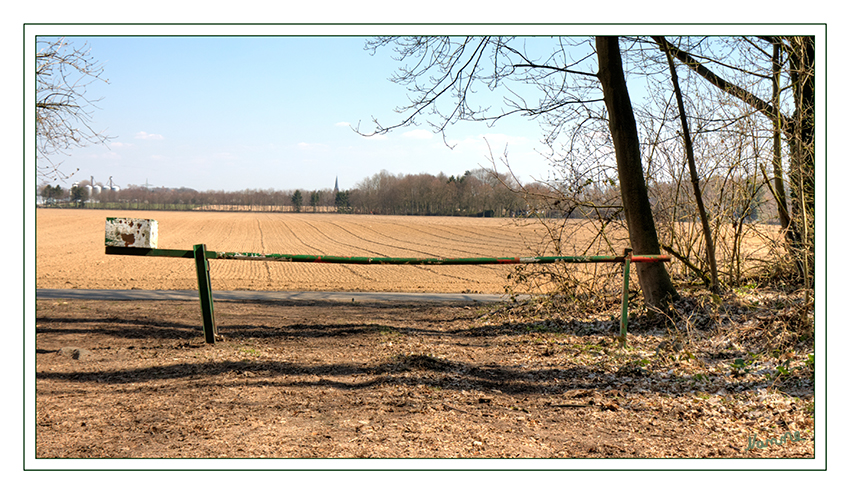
(336, 185)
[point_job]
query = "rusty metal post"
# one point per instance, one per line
(624, 318)
(202, 266)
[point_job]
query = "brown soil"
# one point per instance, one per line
(319, 380)
(71, 251)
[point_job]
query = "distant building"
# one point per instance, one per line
(336, 186)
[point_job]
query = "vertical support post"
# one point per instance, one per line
(202, 267)
(624, 318)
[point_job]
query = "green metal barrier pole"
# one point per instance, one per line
(624, 318)
(251, 256)
(202, 267)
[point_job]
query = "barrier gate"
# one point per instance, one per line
(138, 237)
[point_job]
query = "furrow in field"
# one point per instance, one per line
(305, 237)
(70, 250)
(70, 253)
(460, 273)
(310, 234)
(467, 233)
(348, 242)
(455, 244)
(447, 245)
(344, 245)
(399, 248)
(263, 249)
(509, 243)
(465, 274)
(218, 231)
(390, 239)
(443, 246)
(487, 229)
(409, 246)
(278, 236)
(266, 233)
(313, 232)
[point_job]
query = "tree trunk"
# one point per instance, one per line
(802, 172)
(799, 131)
(654, 280)
(692, 169)
(778, 179)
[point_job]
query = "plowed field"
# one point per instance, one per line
(119, 379)
(70, 251)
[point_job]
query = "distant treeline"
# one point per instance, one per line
(475, 193)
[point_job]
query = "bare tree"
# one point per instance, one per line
(654, 280)
(315, 199)
(793, 56)
(63, 111)
(692, 168)
(444, 73)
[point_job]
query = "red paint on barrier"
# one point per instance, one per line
(650, 259)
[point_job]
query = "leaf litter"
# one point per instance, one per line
(711, 378)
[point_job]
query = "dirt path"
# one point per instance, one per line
(133, 379)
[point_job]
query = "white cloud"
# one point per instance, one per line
(152, 137)
(106, 155)
(311, 146)
(418, 134)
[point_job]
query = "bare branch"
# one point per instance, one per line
(63, 111)
(764, 107)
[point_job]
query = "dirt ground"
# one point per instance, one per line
(120, 379)
(134, 379)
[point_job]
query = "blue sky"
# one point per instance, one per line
(234, 113)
